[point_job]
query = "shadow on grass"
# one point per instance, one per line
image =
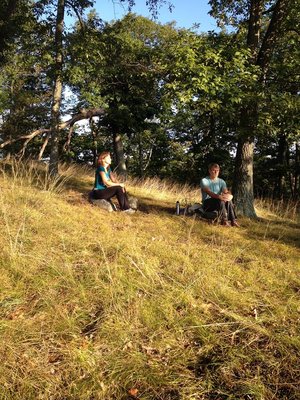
(152, 206)
(76, 184)
(283, 231)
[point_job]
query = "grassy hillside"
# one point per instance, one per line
(151, 306)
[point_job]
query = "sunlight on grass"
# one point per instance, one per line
(165, 190)
(97, 305)
(285, 209)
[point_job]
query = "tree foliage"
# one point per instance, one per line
(167, 100)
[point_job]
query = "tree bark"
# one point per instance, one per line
(57, 91)
(119, 152)
(243, 192)
(254, 27)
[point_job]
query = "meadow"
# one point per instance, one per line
(150, 306)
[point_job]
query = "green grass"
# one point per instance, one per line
(97, 305)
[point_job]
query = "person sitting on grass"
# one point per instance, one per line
(216, 196)
(106, 185)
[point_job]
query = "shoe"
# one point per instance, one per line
(129, 211)
(224, 222)
(235, 223)
(113, 206)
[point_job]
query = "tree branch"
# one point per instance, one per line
(66, 146)
(44, 146)
(71, 5)
(83, 114)
(279, 14)
(29, 136)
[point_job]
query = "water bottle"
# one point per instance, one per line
(177, 208)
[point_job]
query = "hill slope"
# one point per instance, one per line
(97, 305)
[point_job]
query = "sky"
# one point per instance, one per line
(185, 12)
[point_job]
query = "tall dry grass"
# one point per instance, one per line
(166, 189)
(283, 208)
(97, 305)
(16, 173)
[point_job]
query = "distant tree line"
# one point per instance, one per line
(168, 101)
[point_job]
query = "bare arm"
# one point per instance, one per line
(109, 182)
(113, 177)
(214, 195)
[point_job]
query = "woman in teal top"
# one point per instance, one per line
(106, 185)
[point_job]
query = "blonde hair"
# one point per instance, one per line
(102, 156)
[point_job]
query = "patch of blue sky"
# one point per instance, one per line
(185, 13)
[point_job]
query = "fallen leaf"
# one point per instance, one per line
(133, 392)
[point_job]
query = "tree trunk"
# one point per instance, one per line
(57, 91)
(119, 152)
(297, 173)
(141, 160)
(95, 142)
(281, 166)
(243, 174)
(254, 27)
(293, 171)
(243, 188)
(244, 160)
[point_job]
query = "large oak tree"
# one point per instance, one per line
(264, 23)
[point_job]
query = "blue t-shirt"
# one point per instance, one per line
(99, 185)
(216, 186)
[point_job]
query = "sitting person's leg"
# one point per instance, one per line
(231, 213)
(109, 192)
(122, 198)
(216, 205)
(211, 205)
(105, 194)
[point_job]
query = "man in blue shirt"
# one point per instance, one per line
(216, 196)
